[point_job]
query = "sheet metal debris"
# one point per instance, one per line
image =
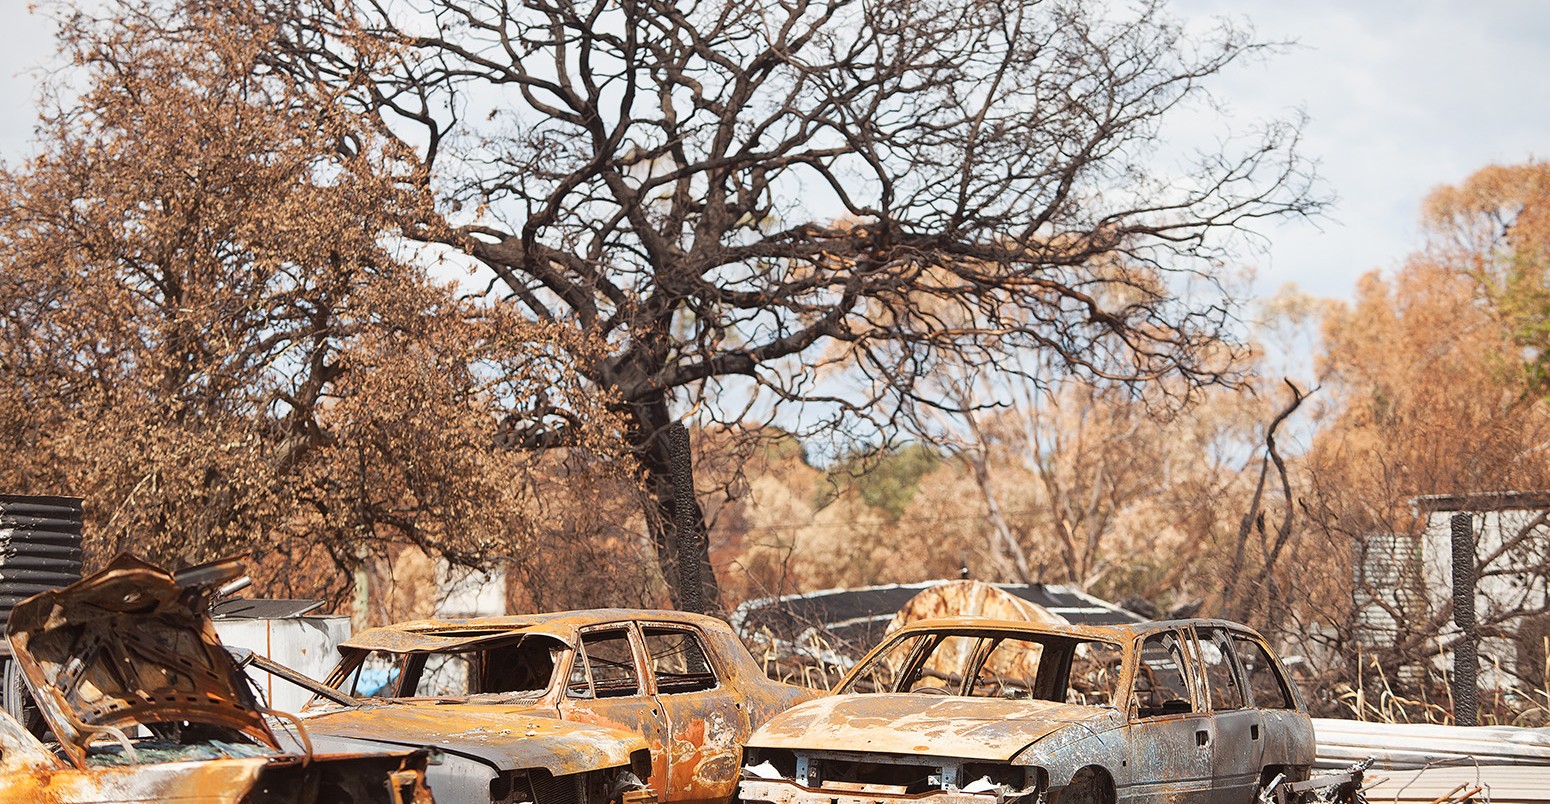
(837, 626)
(148, 706)
(1498, 784)
(1411, 746)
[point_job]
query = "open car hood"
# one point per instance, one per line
(132, 644)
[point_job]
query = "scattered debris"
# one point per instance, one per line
(1330, 788)
(1424, 762)
(287, 632)
(1493, 784)
(837, 626)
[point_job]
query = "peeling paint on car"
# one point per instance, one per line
(960, 731)
(693, 719)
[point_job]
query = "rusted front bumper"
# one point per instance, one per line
(780, 791)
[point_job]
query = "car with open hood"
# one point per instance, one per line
(146, 705)
(561, 691)
(978, 711)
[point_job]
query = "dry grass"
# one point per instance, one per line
(1373, 698)
(817, 662)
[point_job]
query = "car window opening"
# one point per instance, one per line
(678, 661)
(605, 667)
(521, 668)
(1160, 685)
(1046, 667)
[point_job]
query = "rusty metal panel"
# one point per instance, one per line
(128, 646)
(971, 599)
(36, 775)
(506, 737)
(906, 723)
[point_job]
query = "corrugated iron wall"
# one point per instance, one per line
(40, 547)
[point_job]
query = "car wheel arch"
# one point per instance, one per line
(1061, 759)
(1091, 784)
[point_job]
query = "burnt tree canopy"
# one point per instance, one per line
(756, 203)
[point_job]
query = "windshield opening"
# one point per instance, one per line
(989, 664)
(520, 668)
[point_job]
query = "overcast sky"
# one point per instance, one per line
(1401, 95)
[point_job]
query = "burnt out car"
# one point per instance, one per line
(973, 711)
(682, 684)
(146, 705)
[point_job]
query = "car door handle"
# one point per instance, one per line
(1254, 731)
(1202, 737)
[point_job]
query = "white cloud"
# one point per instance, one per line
(1402, 97)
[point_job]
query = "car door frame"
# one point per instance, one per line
(702, 767)
(638, 713)
(1286, 733)
(1237, 750)
(1170, 754)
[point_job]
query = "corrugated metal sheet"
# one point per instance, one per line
(1496, 784)
(1387, 581)
(1411, 746)
(40, 547)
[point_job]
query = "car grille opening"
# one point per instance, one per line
(563, 790)
(882, 777)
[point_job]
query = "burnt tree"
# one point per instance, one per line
(749, 204)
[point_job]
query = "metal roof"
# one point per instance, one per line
(242, 608)
(1481, 502)
(435, 635)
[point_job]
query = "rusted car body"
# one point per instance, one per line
(976, 711)
(147, 705)
(567, 692)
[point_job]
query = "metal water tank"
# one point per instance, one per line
(40, 547)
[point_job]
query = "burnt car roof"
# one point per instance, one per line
(1121, 632)
(425, 636)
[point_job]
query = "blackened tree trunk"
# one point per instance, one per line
(673, 514)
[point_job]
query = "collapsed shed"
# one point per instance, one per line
(833, 628)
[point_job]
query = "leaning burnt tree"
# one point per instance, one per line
(751, 204)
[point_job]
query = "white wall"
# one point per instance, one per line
(1515, 588)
